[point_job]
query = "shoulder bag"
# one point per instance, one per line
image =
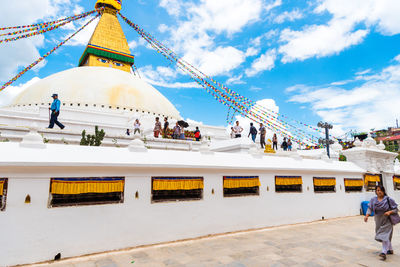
(394, 218)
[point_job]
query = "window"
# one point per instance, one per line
(324, 184)
(396, 182)
(353, 185)
(235, 186)
(3, 193)
(288, 184)
(86, 191)
(102, 60)
(371, 181)
(176, 188)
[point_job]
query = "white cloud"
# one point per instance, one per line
(370, 105)
(8, 94)
(173, 7)
(351, 21)
(162, 76)
(319, 40)
(235, 80)
(272, 4)
(288, 16)
(221, 60)
(265, 62)
(194, 36)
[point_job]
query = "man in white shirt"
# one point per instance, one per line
(238, 130)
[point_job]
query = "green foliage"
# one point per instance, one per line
(342, 158)
(92, 140)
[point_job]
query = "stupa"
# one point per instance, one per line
(101, 91)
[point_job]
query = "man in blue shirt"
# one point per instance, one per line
(55, 111)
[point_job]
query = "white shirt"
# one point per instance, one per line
(237, 129)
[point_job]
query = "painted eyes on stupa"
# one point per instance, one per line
(102, 60)
(118, 64)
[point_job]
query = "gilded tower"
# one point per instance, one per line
(108, 46)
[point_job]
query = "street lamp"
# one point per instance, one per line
(325, 141)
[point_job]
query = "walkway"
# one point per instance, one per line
(337, 242)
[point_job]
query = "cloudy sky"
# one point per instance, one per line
(333, 60)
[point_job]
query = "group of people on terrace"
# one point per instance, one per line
(178, 131)
(236, 132)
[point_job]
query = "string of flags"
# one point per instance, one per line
(47, 54)
(224, 95)
(46, 27)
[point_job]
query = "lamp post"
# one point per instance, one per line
(325, 141)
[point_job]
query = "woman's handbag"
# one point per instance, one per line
(394, 218)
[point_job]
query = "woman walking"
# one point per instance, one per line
(383, 206)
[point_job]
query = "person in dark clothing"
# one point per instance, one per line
(197, 134)
(166, 127)
(55, 111)
(284, 144)
(252, 132)
(263, 131)
(275, 142)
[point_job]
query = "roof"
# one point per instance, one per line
(82, 156)
(389, 138)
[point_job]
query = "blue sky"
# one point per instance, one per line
(333, 60)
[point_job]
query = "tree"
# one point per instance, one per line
(92, 140)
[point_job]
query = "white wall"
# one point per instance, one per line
(33, 232)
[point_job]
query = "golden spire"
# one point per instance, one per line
(108, 46)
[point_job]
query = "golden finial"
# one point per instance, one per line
(116, 4)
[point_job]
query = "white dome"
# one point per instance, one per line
(98, 87)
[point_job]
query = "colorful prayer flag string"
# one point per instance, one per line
(228, 97)
(46, 55)
(47, 28)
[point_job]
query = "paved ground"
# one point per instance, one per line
(338, 242)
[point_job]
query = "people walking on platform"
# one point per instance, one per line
(275, 142)
(289, 144)
(238, 130)
(197, 134)
(232, 133)
(252, 132)
(263, 132)
(385, 215)
(157, 127)
(166, 127)
(177, 131)
(55, 111)
(136, 127)
(284, 144)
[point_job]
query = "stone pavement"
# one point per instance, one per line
(336, 242)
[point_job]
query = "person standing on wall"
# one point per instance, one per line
(263, 131)
(157, 127)
(238, 130)
(55, 111)
(386, 215)
(166, 127)
(289, 145)
(275, 142)
(284, 144)
(252, 132)
(177, 131)
(197, 134)
(136, 127)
